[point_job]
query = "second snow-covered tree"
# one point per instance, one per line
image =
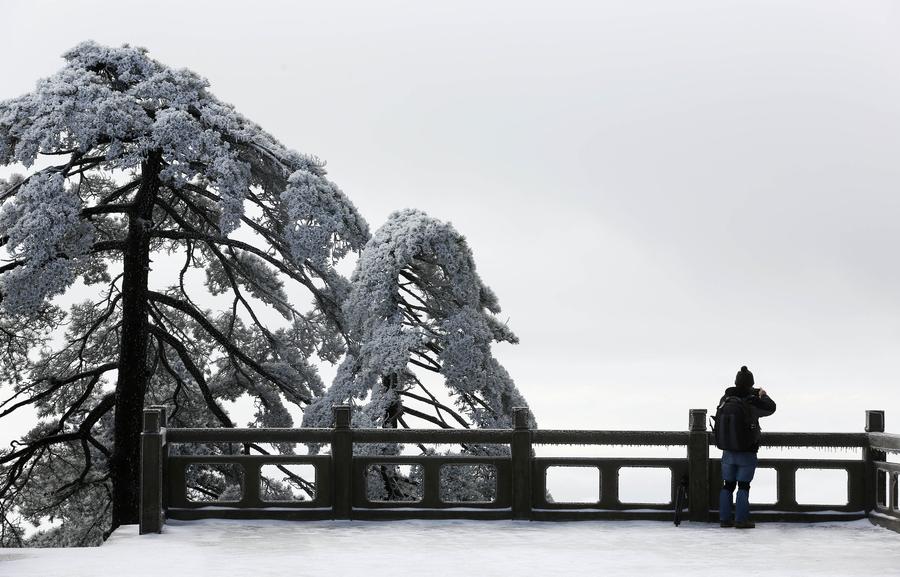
(417, 307)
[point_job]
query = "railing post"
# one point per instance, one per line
(698, 467)
(874, 424)
(341, 463)
(520, 447)
(152, 461)
(164, 457)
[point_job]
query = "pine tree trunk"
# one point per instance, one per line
(389, 477)
(133, 375)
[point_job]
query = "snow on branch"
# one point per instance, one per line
(44, 230)
(416, 300)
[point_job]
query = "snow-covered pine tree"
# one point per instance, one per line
(417, 304)
(142, 165)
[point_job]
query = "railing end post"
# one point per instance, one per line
(151, 516)
(872, 481)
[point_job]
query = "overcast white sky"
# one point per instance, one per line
(658, 192)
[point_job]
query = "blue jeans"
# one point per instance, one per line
(738, 468)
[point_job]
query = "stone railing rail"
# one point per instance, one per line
(521, 491)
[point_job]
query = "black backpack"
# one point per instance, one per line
(734, 427)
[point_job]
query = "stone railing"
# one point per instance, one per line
(339, 487)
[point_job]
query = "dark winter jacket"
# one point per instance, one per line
(762, 406)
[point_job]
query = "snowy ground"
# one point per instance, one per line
(476, 548)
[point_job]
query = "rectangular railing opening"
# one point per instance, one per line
(764, 487)
(287, 483)
(573, 484)
(895, 481)
(468, 484)
(218, 483)
(645, 485)
(392, 483)
(881, 488)
(822, 487)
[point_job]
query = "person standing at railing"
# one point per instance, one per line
(737, 433)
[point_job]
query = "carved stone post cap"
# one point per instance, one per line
(152, 420)
(697, 420)
(520, 417)
(163, 411)
(341, 416)
(874, 421)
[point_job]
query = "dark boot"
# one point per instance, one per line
(744, 525)
(728, 523)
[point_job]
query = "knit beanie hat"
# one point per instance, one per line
(744, 378)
